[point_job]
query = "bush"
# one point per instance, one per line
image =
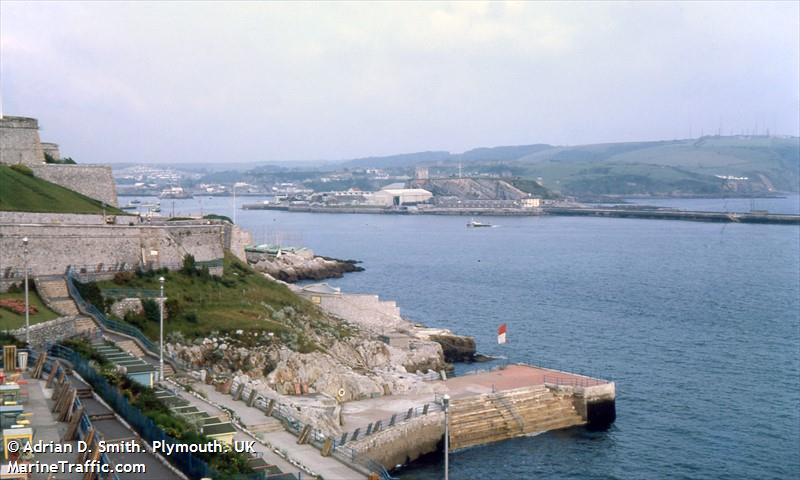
(92, 294)
(218, 217)
(191, 317)
(151, 310)
(173, 308)
(63, 161)
(23, 169)
(123, 278)
(189, 264)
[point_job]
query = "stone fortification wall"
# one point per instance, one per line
(51, 149)
(94, 181)
(54, 247)
(19, 141)
(65, 218)
(367, 311)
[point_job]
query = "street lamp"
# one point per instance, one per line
(161, 335)
(446, 405)
(27, 305)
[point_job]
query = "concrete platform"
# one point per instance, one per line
(360, 413)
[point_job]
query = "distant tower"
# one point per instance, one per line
(19, 141)
(421, 173)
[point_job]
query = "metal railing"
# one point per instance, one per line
(9, 273)
(572, 381)
(191, 465)
(316, 437)
(105, 322)
(398, 418)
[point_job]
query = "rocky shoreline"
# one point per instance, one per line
(295, 265)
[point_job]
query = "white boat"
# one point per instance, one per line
(476, 224)
(175, 192)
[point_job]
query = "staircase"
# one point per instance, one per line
(54, 293)
(131, 347)
(268, 425)
(85, 326)
(499, 416)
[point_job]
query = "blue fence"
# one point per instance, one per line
(192, 466)
(84, 424)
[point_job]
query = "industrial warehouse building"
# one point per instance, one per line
(400, 196)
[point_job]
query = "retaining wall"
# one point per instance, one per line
(94, 181)
(405, 442)
(50, 331)
(54, 247)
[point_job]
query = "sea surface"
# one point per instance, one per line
(697, 323)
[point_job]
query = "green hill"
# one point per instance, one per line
(691, 166)
(20, 191)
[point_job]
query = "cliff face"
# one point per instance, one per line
(473, 189)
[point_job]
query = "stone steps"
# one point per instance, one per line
(133, 348)
(85, 326)
(267, 426)
(55, 294)
(495, 417)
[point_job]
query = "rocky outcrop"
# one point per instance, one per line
(301, 265)
(125, 305)
(363, 368)
(456, 348)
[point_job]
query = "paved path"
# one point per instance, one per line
(48, 428)
(328, 467)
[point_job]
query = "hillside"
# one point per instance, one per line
(241, 299)
(670, 167)
(20, 192)
(760, 165)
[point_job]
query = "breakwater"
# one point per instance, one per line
(615, 212)
(669, 214)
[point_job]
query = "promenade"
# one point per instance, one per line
(327, 467)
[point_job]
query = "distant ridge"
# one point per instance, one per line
(740, 164)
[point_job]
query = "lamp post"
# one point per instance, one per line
(161, 334)
(446, 405)
(27, 304)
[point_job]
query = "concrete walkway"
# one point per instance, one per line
(328, 467)
(48, 428)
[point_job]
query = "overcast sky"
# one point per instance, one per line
(205, 82)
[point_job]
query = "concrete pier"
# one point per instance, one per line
(485, 407)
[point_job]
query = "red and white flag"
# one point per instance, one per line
(501, 334)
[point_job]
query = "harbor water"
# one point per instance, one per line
(697, 323)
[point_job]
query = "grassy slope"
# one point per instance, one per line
(10, 320)
(21, 193)
(241, 299)
(681, 165)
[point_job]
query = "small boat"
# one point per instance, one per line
(475, 224)
(129, 206)
(134, 202)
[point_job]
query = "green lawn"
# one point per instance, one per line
(23, 193)
(10, 320)
(241, 299)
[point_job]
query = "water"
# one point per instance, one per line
(698, 323)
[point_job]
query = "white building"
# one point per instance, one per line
(400, 196)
